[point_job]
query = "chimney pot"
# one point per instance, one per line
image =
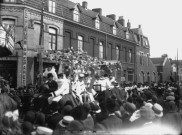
(98, 10)
(128, 24)
(139, 26)
(121, 21)
(84, 4)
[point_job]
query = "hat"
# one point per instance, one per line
(44, 131)
(158, 110)
(49, 75)
(171, 94)
(54, 106)
(95, 108)
(149, 105)
(170, 98)
(67, 110)
(27, 127)
(81, 75)
(130, 107)
(66, 121)
(115, 83)
(147, 113)
(76, 126)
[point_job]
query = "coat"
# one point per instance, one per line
(111, 123)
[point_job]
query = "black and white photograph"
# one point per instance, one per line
(90, 67)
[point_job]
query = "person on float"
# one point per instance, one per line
(51, 69)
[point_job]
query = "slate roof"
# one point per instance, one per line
(158, 60)
(137, 31)
(175, 61)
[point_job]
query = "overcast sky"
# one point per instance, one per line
(161, 21)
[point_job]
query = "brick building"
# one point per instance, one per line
(164, 68)
(145, 69)
(68, 24)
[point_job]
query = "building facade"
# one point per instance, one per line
(163, 66)
(145, 69)
(67, 24)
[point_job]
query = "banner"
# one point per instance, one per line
(6, 41)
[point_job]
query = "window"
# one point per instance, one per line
(130, 56)
(117, 53)
(80, 43)
(130, 76)
(148, 59)
(127, 35)
(101, 50)
(10, 1)
(141, 58)
(9, 25)
(114, 30)
(97, 23)
(52, 39)
(76, 15)
(52, 6)
(125, 54)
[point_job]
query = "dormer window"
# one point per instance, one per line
(97, 23)
(127, 35)
(52, 6)
(117, 53)
(114, 30)
(76, 15)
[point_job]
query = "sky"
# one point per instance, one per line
(160, 20)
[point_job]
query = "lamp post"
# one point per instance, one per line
(41, 47)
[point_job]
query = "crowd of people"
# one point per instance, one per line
(96, 104)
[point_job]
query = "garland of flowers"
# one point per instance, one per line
(79, 60)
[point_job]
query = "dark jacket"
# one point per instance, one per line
(111, 123)
(53, 120)
(53, 86)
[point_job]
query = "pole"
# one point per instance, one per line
(177, 67)
(41, 38)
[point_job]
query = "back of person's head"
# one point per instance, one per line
(30, 117)
(60, 75)
(69, 102)
(54, 106)
(49, 75)
(27, 128)
(40, 119)
(67, 110)
(78, 112)
(111, 105)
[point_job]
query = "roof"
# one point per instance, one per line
(137, 31)
(159, 60)
(68, 4)
(175, 62)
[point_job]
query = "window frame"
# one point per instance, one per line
(101, 50)
(114, 30)
(131, 75)
(52, 8)
(117, 52)
(80, 42)
(51, 36)
(130, 56)
(76, 15)
(127, 35)
(97, 23)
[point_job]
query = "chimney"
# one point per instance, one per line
(112, 16)
(84, 4)
(98, 10)
(129, 24)
(121, 21)
(139, 26)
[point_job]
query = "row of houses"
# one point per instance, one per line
(68, 24)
